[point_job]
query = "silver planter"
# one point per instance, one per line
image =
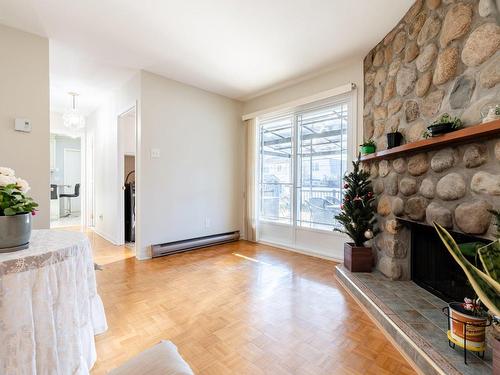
(15, 232)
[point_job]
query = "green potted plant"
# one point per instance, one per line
(484, 278)
(368, 147)
(16, 209)
(442, 125)
(490, 112)
(357, 217)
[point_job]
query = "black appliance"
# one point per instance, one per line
(129, 210)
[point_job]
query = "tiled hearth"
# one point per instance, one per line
(412, 317)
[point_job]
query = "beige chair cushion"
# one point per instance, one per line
(161, 359)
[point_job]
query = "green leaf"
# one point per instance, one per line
(490, 259)
(9, 212)
(486, 288)
(470, 248)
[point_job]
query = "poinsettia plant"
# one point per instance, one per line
(13, 198)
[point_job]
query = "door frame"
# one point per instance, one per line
(90, 182)
(121, 174)
(82, 173)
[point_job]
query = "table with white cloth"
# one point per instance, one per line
(49, 306)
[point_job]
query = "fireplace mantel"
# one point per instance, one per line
(468, 134)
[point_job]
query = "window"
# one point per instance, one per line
(303, 158)
(276, 177)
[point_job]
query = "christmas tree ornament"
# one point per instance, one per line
(357, 219)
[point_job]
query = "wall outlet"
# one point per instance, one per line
(155, 153)
(208, 223)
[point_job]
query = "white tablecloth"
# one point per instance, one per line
(49, 306)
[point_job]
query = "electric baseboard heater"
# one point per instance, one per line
(194, 243)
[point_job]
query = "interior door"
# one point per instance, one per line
(72, 175)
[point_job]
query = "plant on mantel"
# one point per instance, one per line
(368, 147)
(443, 124)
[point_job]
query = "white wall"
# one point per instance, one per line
(196, 186)
(314, 242)
(349, 71)
(102, 127)
(127, 133)
(24, 93)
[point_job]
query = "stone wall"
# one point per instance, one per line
(443, 56)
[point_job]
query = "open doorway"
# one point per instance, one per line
(127, 167)
(65, 180)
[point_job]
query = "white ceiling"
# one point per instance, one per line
(236, 48)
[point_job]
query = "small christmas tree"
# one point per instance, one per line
(357, 211)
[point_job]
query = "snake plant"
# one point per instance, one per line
(485, 281)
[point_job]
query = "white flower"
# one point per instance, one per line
(23, 185)
(7, 171)
(7, 180)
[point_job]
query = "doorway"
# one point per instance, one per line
(127, 146)
(65, 180)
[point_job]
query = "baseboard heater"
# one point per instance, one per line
(194, 243)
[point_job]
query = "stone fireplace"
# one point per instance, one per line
(443, 56)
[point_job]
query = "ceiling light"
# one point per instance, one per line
(72, 118)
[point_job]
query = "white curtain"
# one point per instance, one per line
(251, 181)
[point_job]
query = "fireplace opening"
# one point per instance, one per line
(432, 266)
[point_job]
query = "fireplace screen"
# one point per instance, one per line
(432, 266)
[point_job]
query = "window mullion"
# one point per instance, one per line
(295, 144)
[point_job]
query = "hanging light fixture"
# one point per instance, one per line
(72, 118)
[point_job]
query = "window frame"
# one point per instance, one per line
(352, 133)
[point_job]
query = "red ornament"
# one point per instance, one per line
(341, 206)
(346, 186)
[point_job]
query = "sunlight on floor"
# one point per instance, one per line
(104, 251)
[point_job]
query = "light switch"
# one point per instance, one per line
(22, 125)
(155, 153)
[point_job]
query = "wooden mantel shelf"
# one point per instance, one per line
(468, 134)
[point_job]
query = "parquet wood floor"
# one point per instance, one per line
(239, 308)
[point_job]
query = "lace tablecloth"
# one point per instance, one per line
(49, 306)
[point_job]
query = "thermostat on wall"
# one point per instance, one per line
(22, 125)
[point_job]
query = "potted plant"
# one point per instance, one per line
(16, 209)
(490, 112)
(368, 147)
(484, 278)
(394, 138)
(471, 314)
(357, 217)
(442, 125)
